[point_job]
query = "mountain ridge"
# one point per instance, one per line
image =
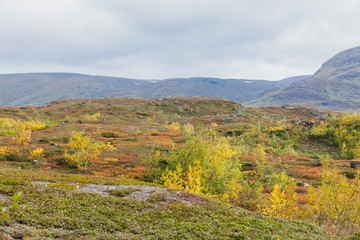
(39, 89)
(335, 86)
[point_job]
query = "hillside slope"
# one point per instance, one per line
(335, 86)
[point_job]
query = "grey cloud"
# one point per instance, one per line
(161, 38)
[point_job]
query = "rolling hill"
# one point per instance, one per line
(42, 88)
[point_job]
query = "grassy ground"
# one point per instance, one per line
(58, 212)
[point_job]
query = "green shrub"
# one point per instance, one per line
(60, 161)
(247, 166)
(63, 139)
(44, 140)
(350, 175)
(157, 197)
(58, 150)
(108, 135)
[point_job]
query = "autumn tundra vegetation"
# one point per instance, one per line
(178, 168)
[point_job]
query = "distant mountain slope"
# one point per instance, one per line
(335, 86)
(42, 88)
(233, 89)
(290, 80)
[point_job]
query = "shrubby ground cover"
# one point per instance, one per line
(238, 173)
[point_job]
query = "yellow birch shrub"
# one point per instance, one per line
(187, 129)
(173, 125)
(189, 181)
(343, 131)
(336, 204)
(92, 117)
(206, 164)
(173, 179)
(23, 137)
(283, 202)
(86, 150)
(4, 151)
(36, 153)
(193, 178)
(20, 129)
(319, 130)
(283, 199)
(34, 125)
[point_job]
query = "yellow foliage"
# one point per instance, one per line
(189, 181)
(173, 179)
(4, 150)
(188, 129)
(86, 150)
(206, 165)
(92, 117)
(232, 189)
(174, 125)
(344, 149)
(193, 179)
(283, 202)
(282, 179)
(336, 203)
(23, 137)
(34, 125)
(338, 198)
(275, 129)
(319, 130)
(36, 153)
(21, 128)
(346, 135)
(349, 119)
(107, 160)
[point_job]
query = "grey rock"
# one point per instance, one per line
(34, 161)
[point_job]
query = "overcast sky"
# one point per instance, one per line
(149, 39)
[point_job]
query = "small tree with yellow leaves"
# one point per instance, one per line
(336, 204)
(189, 181)
(206, 164)
(283, 202)
(86, 150)
(283, 199)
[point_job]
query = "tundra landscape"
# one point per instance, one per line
(155, 119)
(123, 168)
